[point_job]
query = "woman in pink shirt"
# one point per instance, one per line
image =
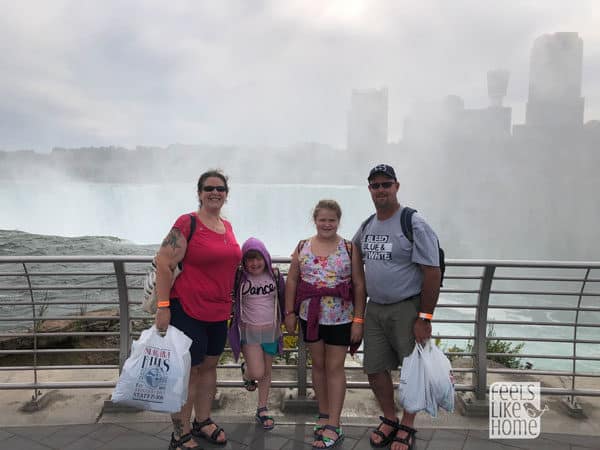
(199, 302)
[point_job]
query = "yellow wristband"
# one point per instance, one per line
(163, 304)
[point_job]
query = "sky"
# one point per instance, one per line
(259, 73)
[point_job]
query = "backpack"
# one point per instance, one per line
(150, 298)
(407, 230)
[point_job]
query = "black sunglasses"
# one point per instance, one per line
(385, 185)
(213, 188)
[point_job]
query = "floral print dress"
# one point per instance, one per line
(327, 271)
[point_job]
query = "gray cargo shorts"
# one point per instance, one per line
(389, 336)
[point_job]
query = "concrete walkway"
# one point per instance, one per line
(156, 435)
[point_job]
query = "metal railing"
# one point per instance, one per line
(535, 303)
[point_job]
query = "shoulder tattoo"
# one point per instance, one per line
(171, 239)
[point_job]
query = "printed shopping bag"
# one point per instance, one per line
(156, 374)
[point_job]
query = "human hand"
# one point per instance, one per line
(290, 323)
(162, 319)
(422, 330)
(356, 332)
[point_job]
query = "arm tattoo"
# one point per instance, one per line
(171, 239)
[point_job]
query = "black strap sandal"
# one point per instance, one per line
(262, 419)
(409, 439)
(178, 443)
(318, 429)
(213, 437)
(386, 439)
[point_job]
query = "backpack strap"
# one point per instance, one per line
(406, 222)
(192, 227)
(365, 223)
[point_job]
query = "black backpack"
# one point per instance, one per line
(407, 230)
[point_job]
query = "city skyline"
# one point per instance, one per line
(264, 76)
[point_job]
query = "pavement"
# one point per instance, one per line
(77, 419)
(244, 435)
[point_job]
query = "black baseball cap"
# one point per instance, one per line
(382, 169)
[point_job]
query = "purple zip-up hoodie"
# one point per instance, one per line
(234, 326)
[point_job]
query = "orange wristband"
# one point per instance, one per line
(358, 320)
(163, 304)
(425, 316)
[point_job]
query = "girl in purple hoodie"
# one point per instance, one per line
(255, 329)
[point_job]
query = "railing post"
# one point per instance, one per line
(124, 324)
(36, 325)
(481, 333)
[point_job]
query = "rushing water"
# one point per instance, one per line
(140, 215)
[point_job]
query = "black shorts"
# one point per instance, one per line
(208, 338)
(330, 334)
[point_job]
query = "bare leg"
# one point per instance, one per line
(255, 367)
(335, 356)
(383, 388)
(181, 420)
(319, 379)
(205, 393)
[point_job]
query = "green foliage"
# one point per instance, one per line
(511, 351)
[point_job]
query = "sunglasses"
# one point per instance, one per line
(385, 185)
(214, 188)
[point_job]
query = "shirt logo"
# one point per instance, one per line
(377, 247)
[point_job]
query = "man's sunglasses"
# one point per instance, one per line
(385, 185)
(214, 188)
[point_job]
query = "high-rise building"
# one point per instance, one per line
(368, 120)
(555, 101)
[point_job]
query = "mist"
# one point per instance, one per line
(110, 113)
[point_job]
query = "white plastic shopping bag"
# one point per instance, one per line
(426, 381)
(411, 389)
(440, 382)
(156, 374)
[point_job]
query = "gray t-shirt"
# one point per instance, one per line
(392, 269)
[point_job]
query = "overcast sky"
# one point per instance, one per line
(81, 73)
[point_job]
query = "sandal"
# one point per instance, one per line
(213, 437)
(262, 419)
(178, 443)
(409, 439)
(249, 385)
(327, 441)
(386, 439)
(318, 429)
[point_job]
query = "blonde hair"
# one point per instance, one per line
(328, 204)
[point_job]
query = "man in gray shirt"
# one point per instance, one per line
(403, 284)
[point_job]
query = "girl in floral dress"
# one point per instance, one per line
(325, 289)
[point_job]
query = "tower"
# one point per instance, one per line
(555, 101)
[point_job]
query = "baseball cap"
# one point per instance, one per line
(382, 169)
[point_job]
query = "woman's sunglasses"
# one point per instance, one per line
(214, 188)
